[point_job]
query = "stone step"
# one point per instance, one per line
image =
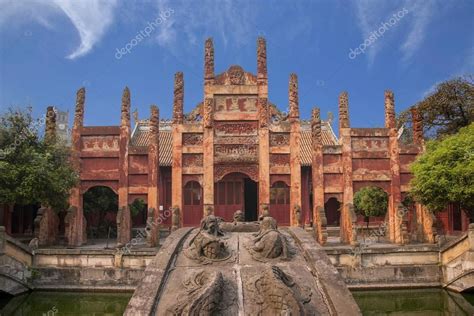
(333, 231)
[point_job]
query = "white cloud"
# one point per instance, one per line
(232, 21)
(91, 18)
(422, 12)
(370, 13)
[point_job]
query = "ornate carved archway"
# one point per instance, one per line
(249, 170)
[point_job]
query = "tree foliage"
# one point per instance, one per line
(32, 170)
(100, 199)
(445, 172)
(371, 201)
(446, 110)
(138, 206)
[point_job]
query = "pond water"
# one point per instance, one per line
(430, 302)
(39, 303)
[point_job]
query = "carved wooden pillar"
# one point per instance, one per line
(425, 220)
(76, 227)
(46, 222)
(177, 127)
(124, 228)
(346, 229)
(153, 178)
(208, 122)
(295, 164)
(417, 125)
(319, 216)
(395, 220)
(263, 131)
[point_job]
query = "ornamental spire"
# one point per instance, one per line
(178, 98)
(344, 110)
(293, 97)
(261, 58)
(79, 112)
(209, 60)
(389, 109)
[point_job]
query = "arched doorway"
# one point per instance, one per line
(236, 191)
(192, 203)
(333, 214)
(100, 204)
(138, 212)
(280, 202)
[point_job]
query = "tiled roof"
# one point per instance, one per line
(305, 142)
(141, 138)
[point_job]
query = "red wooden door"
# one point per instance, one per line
(228, 197)
(192, 204)
(280, 203)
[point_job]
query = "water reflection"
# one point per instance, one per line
(67, 303)
(414, 302)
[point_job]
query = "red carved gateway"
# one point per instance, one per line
(237, 151)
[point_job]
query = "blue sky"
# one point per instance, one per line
(50, 48)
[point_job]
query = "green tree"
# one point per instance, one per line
(444, 174)
(447, 109)
(371, 201)
(101, 203)
(32, 170)
(138, 206)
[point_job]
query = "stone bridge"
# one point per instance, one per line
(15, 260)
(245, 269)
(457, 260)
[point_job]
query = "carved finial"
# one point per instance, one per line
(50, 131)
(178, 98)
(293, 97)
(389, 109)
(417, 125)
(262, 104)
(135, 115)
(316, 127)
(344, 110)
(154, 120)
(79, 114)
(261, 58)
(209, 59)
(126, 107)
(330, 117)
(208, 112)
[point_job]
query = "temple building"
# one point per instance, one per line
(236, 150)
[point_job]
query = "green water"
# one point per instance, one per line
(67, 303)
(430, 302)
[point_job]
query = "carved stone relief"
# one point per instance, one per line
(192, 139)
(235, 75)
(279, 139)
(236, 103)
(236, 128)
(250, 170)
(235, 153)
(206, 293)
(279, 160)
(276, 293)
(192, 160)
(208, 245)
(100, 143)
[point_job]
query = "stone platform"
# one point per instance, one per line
(287, 273)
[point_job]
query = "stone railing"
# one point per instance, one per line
(457, 261)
